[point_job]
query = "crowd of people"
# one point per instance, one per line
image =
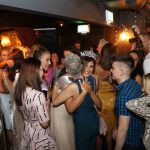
(89, 100)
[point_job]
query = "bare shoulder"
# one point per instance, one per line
(73, 87)
(95, 76)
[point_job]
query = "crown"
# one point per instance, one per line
(89, 53)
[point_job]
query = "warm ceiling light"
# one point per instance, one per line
(61, 24)
(5, 41)
(123, 36)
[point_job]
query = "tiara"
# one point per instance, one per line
(89, 53)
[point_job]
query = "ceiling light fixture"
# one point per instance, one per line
(83, 29)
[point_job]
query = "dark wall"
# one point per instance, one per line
(67, 35)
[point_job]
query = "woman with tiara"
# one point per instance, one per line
(81, 99)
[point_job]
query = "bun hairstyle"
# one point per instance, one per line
(39, 50)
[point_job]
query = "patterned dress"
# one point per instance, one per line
(34, 112)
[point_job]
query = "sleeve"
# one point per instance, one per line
(140, 106)
(122, 109)
(42, 112)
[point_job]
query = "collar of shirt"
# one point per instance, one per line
(121, 85)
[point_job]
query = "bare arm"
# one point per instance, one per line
(6, 82)
(138, 79)
(122, 131)
(73, 103)
(65, 94)
(10, 63)
(94, 97)
(137, 30)
(96, 100)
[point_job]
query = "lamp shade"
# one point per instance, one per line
(5, 41)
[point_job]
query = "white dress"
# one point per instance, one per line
(62, 128)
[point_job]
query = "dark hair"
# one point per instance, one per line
(108, 51)
(39, 51)
(139, 54)
(139, 67)
(17, 54)
(29, 76)
(18, 57)
(86, 60)
(72, 50)
(59, 60)
(77, 41)
(126, 59)
(148, 34)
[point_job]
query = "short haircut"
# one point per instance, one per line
(73, 64)
(126, 60)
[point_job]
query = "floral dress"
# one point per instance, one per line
(34, 112)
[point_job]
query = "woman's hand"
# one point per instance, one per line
(83, 87)
(4, 75)
(55, 90)
(87, 86)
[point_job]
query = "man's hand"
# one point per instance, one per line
(136, 29)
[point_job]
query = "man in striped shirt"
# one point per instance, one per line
(130, 127)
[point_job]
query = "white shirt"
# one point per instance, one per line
(146, 64)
